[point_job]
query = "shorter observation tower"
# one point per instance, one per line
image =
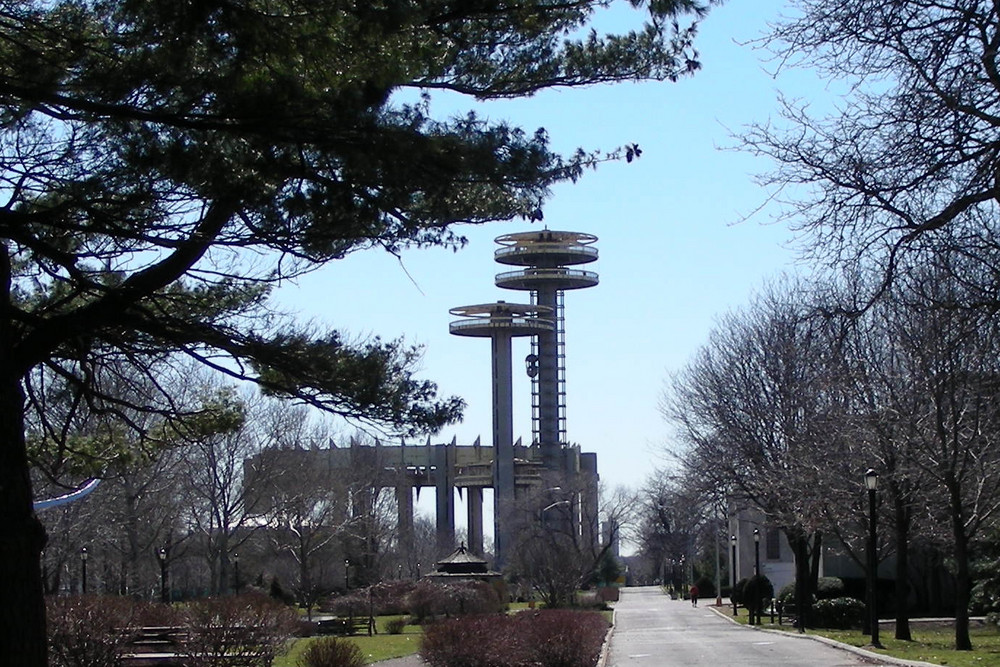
(500, 322)
(546, 256)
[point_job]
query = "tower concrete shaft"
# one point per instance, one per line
(548, 384)
(501, 322)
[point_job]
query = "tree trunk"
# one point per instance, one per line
(902, 526)
(22, 601)
(799, 542)
(814, 554)
(963, 581)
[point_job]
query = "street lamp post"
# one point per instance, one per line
(83, 570)
(164, 595)
(718, 569)
(756, 552)
(347, 574)
(236, 573)
(732, 592)
(871, 482)
(754, 605)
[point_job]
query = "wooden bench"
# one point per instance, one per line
(786, 610)
(155, 646)
(350, 625)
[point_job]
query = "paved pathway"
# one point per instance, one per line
(651, 630)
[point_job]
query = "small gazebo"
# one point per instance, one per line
(461, 564)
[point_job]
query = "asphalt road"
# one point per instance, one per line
(651, 630)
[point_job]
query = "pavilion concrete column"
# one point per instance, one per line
(474, 498)
(404, 511)
(590, 499)
(443, 459)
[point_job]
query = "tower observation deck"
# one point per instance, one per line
(546, 256)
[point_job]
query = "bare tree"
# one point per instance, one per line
(757, 405)
(554, 553)
(217, 502)
(909, 161)
(950, 357)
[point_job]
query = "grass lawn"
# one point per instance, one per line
(931, 643)
(383, 645)
(378, 647)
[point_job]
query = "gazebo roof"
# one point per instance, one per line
(462, 561)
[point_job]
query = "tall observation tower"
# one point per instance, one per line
(546, 257)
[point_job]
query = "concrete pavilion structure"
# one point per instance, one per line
(548, 473)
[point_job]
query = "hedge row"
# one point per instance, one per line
(543, 638)
(96, 631)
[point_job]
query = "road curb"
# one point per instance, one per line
(870, 655)
(606, 646)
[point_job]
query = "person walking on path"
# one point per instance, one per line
(694, 595)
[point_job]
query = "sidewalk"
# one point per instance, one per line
(651, 630)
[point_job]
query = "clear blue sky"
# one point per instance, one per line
(674, 254)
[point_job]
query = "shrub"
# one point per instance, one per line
(355, 603)
(430, 599)
(304, 628)
(787, 593)
(389, 597)
(331, 652)
(838, 613)
(706, 587)
(739, 590)
(473, 641)
(248, 630)
(395, 626)
(563, 638)
(276, 591)
(89, 630)
(753, 589)
(543, 638)
(828, 588)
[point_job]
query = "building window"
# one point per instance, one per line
(773, 540)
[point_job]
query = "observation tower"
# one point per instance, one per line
(546, 257)
(500, 322)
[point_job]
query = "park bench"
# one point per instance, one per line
(786, 611)
(155, 646)
(349, 625)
